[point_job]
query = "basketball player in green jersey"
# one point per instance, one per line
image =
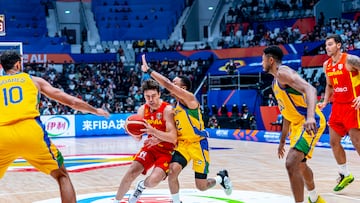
(192, 138)
(303, 122)
(22, 133)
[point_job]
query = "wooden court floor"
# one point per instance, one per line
(252, 167)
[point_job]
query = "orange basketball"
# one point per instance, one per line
(134, 124)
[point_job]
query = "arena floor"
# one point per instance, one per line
(97, 165)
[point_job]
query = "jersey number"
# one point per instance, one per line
(177, 123)
(335, 81)
(12, 95)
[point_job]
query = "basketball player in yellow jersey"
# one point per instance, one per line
(303, 122)
(22, 133)
(192, 137)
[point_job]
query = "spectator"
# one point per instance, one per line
(271, 101)
(49, 110)
(231, 67)
(213, 122)
(183, 33)
(247, 119)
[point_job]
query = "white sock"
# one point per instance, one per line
(116, 201)
(218, 179)
(343, 169)
(313, 195)
(175, 198)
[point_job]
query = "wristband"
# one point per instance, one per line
(149, 71)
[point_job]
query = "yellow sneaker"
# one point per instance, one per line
(319, 200)
(343, 182)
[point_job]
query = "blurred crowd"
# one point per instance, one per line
(109, 85)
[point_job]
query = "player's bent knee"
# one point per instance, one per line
(201, 184)
(59, 173)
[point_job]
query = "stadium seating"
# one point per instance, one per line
(136, 19)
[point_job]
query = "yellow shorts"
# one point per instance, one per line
(301, 140)
(27, 139)
(198, 152)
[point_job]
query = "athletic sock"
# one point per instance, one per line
(313, 195)
(175, 198)
(218, 179)
(343, 169)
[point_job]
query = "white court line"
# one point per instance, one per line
(341, 196)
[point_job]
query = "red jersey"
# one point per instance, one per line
(346, 85)
(157, 121)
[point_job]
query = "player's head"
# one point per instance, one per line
(333, 44)
(151, 90)
(10, 60)
(272, 55)
(183, 82)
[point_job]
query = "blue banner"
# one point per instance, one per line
(251, 65)
(269, 137)
(90, 125)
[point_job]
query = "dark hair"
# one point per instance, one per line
(336, 38)
(8, 59)
(150, 84)
(275, 52)
(185, 81)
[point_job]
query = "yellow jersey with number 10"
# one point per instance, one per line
(19, 98)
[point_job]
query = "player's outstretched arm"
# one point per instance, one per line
(58, 95)
(186, 96)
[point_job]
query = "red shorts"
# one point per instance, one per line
(343, 117)
(154, 156)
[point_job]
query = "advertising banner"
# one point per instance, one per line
(269, 137)
(59, 125)
(91, 125)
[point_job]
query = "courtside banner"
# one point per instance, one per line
(269, 137)
(59, 125)
(91, 125)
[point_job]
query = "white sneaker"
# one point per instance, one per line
(137, 193)
(226, 182)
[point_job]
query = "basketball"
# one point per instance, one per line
(134, 124)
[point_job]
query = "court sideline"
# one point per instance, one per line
(252, 166)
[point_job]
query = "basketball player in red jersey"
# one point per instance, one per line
(342, 83)
(158, 147)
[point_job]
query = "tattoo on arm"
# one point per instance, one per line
(354, 61)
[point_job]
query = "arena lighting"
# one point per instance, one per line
(210, 8)
(67, 11)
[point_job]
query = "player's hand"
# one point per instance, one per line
(151, 141)
(322, 105)
(102, 112)
(310, 126)
(144, 66)
(281, 149)
(149, 129)
(356, 102)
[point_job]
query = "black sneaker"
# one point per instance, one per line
(225, 183)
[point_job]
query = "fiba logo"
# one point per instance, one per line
(2, 25)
